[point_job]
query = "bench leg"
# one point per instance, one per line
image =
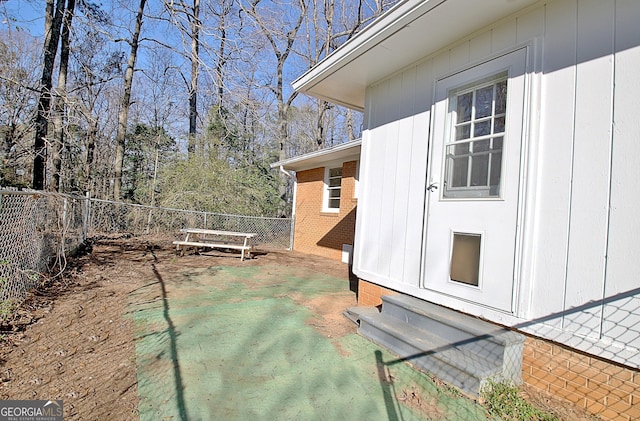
(244, 248)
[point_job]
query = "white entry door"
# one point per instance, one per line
(474, 179)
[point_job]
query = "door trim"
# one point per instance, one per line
(521, 205)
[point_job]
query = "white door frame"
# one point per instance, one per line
(517, 63)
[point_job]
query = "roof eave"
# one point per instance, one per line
(343, 151)
(409, 32)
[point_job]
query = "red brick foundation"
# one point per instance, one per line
(601, 387)
(369, 294)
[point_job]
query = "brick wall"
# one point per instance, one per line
(600, 387)
(369, 294)
(324, 233)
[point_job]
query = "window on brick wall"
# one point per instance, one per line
(332, 188)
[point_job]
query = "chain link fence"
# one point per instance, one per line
(38, 230)
(116, 217)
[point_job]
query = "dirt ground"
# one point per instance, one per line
(73, 339)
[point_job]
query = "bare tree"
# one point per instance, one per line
(61, 95)
(331, 29)
(96, 68)
(232, 58)
(195, 70)
(226, 6)
(123, 115)
(19, 77)
(281, 42)
(186, 18)
(53, 20)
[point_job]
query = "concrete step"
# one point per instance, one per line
(430, 353)
(354, 313)
(459, 349)
(464, 331)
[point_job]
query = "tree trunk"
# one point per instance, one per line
(220, 65)
(123, 115)
(8, 142)
(53, 21)
(61, 97)
(323, 106)
(350, 132)
(92, 131)
(195, 70)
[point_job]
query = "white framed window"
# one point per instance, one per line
(332, 189)
(473, 150)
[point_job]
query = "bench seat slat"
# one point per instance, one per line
(212, 245)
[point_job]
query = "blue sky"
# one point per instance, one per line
(26, 15)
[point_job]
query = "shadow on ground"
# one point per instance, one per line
(267, 341)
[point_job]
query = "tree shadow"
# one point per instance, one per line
(171, 330)
(621, 298)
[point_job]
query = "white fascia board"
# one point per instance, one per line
(384, 27)
(404, 35)
(341, 152)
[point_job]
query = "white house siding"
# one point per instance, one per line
(622, 318)
(396, 157)
(581, 233)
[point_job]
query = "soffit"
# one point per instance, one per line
(407, 33)
(339, 153)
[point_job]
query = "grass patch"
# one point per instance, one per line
(503, 400)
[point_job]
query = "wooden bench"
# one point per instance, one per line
(216, 239)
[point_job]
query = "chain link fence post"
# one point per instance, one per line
(86, 209)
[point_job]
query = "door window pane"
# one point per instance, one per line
(501, 97)
(461, 149)
(482, 128)
(481, 146)
(464, 107)
(479, 170)
(463, 132)
(496, 165)
(484, 101)
(460, 171)
(473, 161)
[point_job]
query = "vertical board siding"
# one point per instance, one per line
(367, 234)
(531, 25)
(585, 164)
(504, 36)
(419, 149)
(591, 163)
(480, 46)
(622, 316)
(459, 56)
(388, 188)
(390, 146)
(403, 164)
(556, 138)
